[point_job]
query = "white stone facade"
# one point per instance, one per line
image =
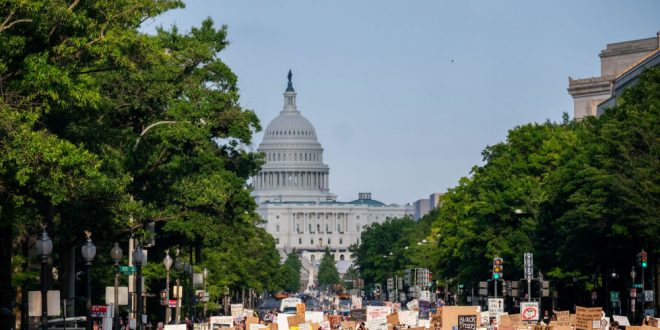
(293, 195)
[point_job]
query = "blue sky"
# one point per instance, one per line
(405, 95)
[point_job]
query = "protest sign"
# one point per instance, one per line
(413, 305)
(348, 325)
(436, 319)
(304, 326)
(294, 320)
(375, 312)
(467, 322)
(300, 309)
(325, 325)
(408, 318)
(563, 318)
(237, 310)
(221, 321)
(282, 321)
(358, 315)
(450, 316)
(314, 317)
(251, 320)
(393, 319)
(587, 318)
(256, 326)
(248, 312)
(377, 323)
(175, 327)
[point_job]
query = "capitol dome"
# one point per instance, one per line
(294, 168)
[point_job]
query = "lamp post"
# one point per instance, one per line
(633, 274)
(138, 258)
(205, 272)
(187, 269)
(89, 252)
(116, 253)
(178, 265)
(167, 262)
(44, 248)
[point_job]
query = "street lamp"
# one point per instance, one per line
(633, 274)
(205, 272)
(117, 254)
(44, 247)
(89, 252)
(138, 258)
(178, 265)
(167, 262)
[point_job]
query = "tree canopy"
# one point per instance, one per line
(106, 128)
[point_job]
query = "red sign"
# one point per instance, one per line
(99, 310)
(172, 303)
(633, 293)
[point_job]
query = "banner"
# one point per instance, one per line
(377, 312)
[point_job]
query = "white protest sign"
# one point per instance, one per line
(314, 317)
(175, 327)
(236, 310)
(256, 326)
(222, 321)
(303, 326)
(282, 321)
(622, 319)
(408, 318)
(377, 312)
(376, 323)
(325, 325)
(529, 311)
(413, 305)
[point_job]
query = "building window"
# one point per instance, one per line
(338, 227)
(328, 240)
(358, 217)
(318, 227)
(311, 241)
(357, 228)
(320, 241)
(310, 229)
(277, 241)
(341, 241)
(341, 257)
(277, 217)
(277, 228)
(300, 241)
(312, 258)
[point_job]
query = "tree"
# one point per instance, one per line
(328, 274)
(291, 272)
(105, 128)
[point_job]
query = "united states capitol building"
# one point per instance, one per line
(292, 191)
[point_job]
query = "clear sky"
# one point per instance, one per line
(404, 95)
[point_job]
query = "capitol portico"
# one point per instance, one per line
(292, 191)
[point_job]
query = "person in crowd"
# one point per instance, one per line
(546, 317)
(160, 326)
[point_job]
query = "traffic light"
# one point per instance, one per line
(497, 268)
(644, 259)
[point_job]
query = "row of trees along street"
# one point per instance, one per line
(587, 197)
(105, 128)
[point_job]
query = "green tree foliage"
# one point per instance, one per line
(291, 272)
(328, 274)
(586, 193)
(106, 128)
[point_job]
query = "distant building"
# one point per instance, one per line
(293, 194)
(422, 206)
(409, 210)
(434, 200)
(616, 60)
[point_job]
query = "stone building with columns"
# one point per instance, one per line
(292, 191)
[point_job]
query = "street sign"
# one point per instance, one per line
(637, 285)
(529, 311)
(495, 306)
(529, 265)
(390, 284)
(99, 310)
(171, 303)
(648, 295)
(127, 270)
(614, 296)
